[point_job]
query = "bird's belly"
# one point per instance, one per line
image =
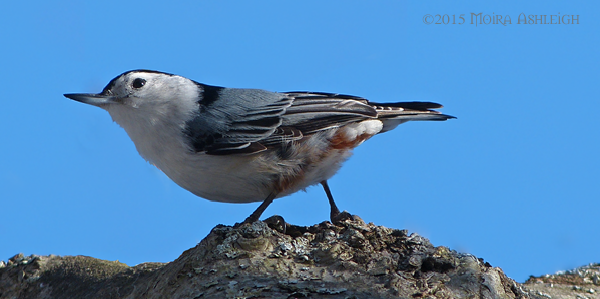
(251, 178)
(327, 166)
(231, 179)
(245, 179)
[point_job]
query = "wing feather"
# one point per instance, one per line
(235, 120)
(247, 121)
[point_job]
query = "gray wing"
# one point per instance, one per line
(311, 112)
(233, 121)
(245, 121)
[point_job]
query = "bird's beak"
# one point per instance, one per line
(92, 98)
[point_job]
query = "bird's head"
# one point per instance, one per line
(142, 97)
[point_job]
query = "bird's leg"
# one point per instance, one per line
(335, 212)
(263, 206)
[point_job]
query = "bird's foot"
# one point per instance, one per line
(248, 220)
(277, 223)
(342, 217)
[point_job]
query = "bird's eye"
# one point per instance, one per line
(138, 83)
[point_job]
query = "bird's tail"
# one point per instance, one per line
(394, 114)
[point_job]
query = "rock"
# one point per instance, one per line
(273, 259)
(582, 282)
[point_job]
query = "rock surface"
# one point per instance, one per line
(272, 259)
(579, 283)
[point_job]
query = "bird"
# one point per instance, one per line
(239, 145)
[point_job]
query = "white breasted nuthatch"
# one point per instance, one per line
(245, 145)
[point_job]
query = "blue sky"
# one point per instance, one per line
(513, 180)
